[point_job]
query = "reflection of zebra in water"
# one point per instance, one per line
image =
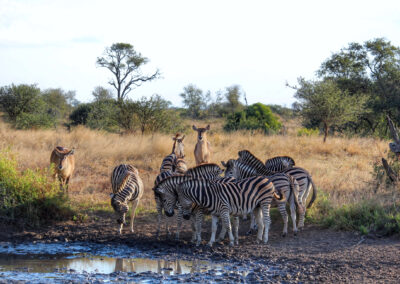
(126, 186)
(231, 198)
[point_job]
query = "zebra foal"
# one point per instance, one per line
(127, 186)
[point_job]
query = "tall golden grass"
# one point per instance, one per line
(341, 166)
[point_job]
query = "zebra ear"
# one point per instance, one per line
(159, 190)
(112, 195)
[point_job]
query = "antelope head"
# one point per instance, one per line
(201, 132)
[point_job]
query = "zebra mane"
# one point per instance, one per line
(246, 157)
(200, 169)
(172, 179)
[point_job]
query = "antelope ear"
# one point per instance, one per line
(194, 127)
(208, 127)
(224, 164)
(183, 137)
(71, 152)
(174, 138)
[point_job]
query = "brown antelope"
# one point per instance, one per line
(202, 151)
(64, 165)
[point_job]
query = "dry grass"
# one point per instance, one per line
(342, 167)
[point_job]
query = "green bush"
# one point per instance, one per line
(29, 197)
(35, 121)
(308, 132)
(254, 117)
(367, 216)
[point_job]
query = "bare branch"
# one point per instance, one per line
(393, 177)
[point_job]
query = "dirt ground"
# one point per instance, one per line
(315, 255)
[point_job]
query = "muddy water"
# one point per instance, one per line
(90, 262)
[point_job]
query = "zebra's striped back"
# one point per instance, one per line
(207, 171)
(247, 158)
(168, 164)
(279, 164)
(304, 179)
(119, 176)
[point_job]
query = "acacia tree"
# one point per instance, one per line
(125, 63)
(195, 100)
(324, 102)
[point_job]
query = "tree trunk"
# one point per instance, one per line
(325, 131)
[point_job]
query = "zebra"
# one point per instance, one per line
(232, 198)
(159, 206)
(303, 178)
(126, 186)
(283, 183)
(279, 163)
(169, 162)
(180, 166)
(167, 189)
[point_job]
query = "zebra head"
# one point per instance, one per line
(230, 168)
(167, 197)
(121, 208)
(63, 154)
(201, 132)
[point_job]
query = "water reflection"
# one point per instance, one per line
(97, 264)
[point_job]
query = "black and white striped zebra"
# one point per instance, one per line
(168, 163)
(126, 186)
(180, 166)
(279, 164)
(167, 193)
(283, 183)
(303, 178)
(159, 205)
(233, 198)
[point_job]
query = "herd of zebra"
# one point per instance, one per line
(248, 187)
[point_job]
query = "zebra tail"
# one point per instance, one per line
(278, 195)
(314, 195)
(300, 208)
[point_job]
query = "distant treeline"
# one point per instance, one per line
(28, 107)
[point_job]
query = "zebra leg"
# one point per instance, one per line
(199, 221)
(179, 218)
(267, 220)
(226, 226)
(304, 203)
(293, 214)
(259, 217)
(122, 224)
(253, 224)
(222, 233)
(135, 203)
(214, 223)
(236, 229)
(194, 230)
(159, 218)
(282, 210)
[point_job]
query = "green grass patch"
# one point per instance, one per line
(30, 197)
(366, 216)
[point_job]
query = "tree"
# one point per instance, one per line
(371, 69)
(58, 102)
(194, 100)
(99, 93)
(326, 103)
(232, 95)
(16, 100)
(125, 63)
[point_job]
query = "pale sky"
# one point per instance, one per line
(259, 45)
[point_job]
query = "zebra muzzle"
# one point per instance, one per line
(169, 213)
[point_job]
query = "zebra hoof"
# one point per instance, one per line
(284, 235)
(295, 233)
(210, 244)
(258, 241)
(231, 244)
(249, 232)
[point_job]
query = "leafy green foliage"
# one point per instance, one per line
(308, 132)
(195, 101)
(254, 117)
(326, 103)
(29, 196)
(367, 216)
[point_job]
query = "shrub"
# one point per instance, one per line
(29, 197)
(254, 117)
(367, 216)
(308, 132)
(35, 120)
